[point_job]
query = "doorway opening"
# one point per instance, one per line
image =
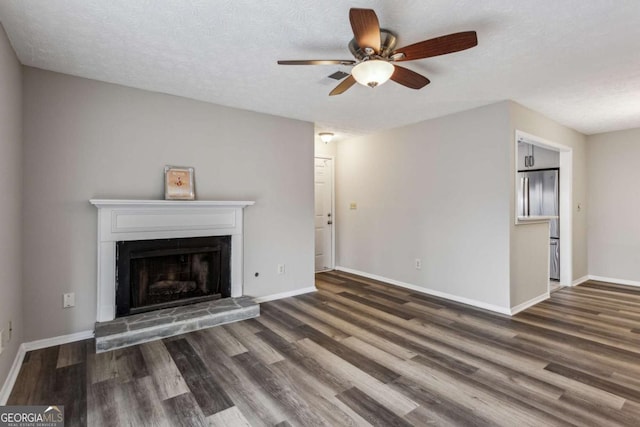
(565, 199)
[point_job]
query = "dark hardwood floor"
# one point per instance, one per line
(360, 352)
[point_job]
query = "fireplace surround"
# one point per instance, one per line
(140, 220)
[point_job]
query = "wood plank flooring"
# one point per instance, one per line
(361, 352)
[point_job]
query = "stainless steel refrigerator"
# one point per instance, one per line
(538, 195)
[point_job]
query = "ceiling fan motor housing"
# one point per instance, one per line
(388, 42)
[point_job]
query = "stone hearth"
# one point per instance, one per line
(144, 327)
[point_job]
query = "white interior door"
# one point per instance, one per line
(324, 213)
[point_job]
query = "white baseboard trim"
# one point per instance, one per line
(10, 381)
(533, 301)
(12, 376)
(63, 339)
(616, 281)
(468, 301)
(284, 294)
(580, 280)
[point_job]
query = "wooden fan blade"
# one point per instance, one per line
(366, 28)
(318, 62)
(343, 86)
(438, 46)
(409, 78)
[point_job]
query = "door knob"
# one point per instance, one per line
(329, 222)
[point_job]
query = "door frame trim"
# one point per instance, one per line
(566, 199)
(333, 208)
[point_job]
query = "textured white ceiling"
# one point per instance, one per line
(575, 61)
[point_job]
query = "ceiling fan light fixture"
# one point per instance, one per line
(372, 73)
(325, 137)
(375, 53)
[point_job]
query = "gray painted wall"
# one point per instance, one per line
(10, 220)
(86, 139)
(614, 205)
(529, 262)
(425, 191)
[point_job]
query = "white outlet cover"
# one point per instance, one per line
(1, 341)
(69, 300)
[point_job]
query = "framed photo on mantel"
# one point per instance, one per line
(179, 183)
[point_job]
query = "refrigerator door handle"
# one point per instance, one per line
(527, 207)
(525, 200)
(521, 209)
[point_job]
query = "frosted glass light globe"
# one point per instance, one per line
(372, 73)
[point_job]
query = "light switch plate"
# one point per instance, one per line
(69, 300)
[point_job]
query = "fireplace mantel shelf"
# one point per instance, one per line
(131, 203)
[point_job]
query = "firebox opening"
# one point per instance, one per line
(155, 274)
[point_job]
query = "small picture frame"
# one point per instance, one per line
(179, 183)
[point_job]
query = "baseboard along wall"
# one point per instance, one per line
(468, 301)
(10, 381)
(285, 294)
(614, 280)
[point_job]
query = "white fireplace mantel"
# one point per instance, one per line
(125, 220)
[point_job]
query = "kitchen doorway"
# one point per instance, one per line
(565, 200)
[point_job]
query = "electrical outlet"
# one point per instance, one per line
(1, 341)
(69, 300)
(281, 269)
(418, 264)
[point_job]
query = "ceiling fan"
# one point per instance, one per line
(375, 53)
